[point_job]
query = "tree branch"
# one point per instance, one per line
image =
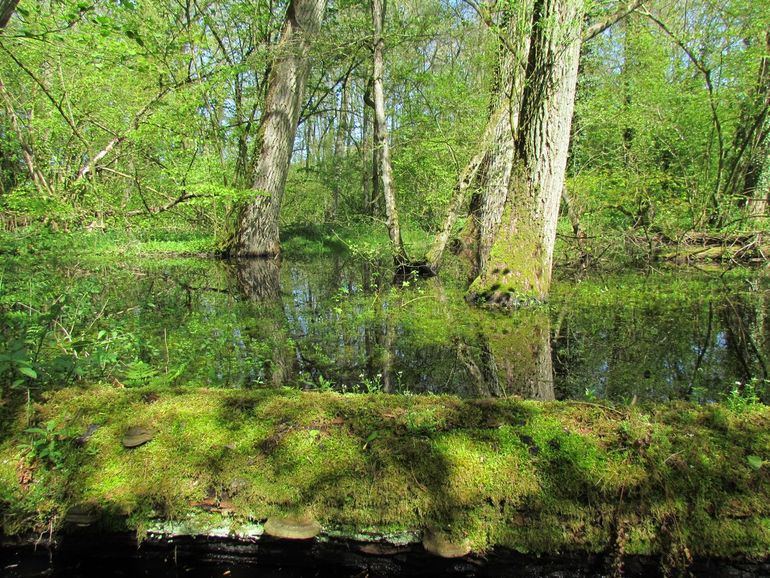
(118, 139)
(44, 88)
(598, 27)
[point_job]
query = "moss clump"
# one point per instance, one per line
(535, 477)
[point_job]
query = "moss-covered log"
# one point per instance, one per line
(678, 480)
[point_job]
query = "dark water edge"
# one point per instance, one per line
(119, 555)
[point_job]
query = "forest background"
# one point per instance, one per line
(146, 116)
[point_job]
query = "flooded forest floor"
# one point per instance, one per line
(151, 391)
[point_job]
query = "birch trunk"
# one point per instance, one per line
(518, 267)
(257, 229)
(381, 137)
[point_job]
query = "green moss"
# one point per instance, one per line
(536, 477)
(514, 275)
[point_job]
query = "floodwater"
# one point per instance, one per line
(337, 322)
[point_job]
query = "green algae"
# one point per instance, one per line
(531, 476)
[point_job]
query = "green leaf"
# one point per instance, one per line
(372, 436)
(28, 371)
(755, 462)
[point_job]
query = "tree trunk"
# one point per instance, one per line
(7, 8)
(37, 176)
(257, 229)
(517, 268)
(366, 157)
(749, 150)
(756, 180)
(490, 168)
(467, 178)
(381, 137)
(340, 147)
(521, 164)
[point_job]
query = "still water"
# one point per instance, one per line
(342, 323)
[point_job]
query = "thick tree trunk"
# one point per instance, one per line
(381, 137)
(519, 170)
(497, 176)
(518, 266)
(257, 232)
(490, 168)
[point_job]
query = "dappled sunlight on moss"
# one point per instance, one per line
(535, 477)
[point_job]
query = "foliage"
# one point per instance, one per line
(46, 443)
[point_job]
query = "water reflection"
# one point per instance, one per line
(352, 330)
(340, 323)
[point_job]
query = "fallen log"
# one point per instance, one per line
(675, 480)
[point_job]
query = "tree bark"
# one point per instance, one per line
(366, 156)
(520, 171)
(7, 7)
(340, 146)
(37, 176)
(756, 179)
(490, 168)
(257, 228)
(751, 144)
(517, 268)
(381, 137)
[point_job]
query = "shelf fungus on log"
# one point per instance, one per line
(137, 436)
(439, 544)
(292, 528)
